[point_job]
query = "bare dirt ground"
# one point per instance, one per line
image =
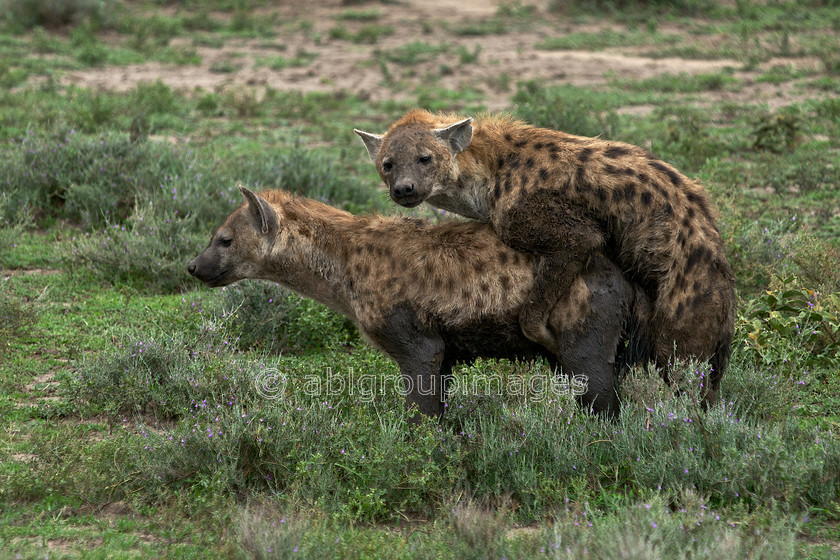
(503, 59)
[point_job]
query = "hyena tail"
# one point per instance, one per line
(719, 362)
(637, 346)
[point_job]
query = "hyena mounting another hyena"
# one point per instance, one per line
(564, 198)
(467, 305)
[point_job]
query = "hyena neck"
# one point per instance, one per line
(312, 260)
(468, 194)
(468, 197)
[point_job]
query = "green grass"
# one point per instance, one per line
(606, 39)
(108, 348)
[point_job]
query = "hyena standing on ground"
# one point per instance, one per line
(466, 305)
(564, 198)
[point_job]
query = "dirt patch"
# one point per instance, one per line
(367, 70)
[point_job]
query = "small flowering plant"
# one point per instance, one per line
(793, 325)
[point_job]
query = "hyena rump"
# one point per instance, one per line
(564, 198)
(427, 295)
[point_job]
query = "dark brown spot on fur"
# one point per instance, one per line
(679, 311)
(629, 191)
(697, 255)
(484, 287)
(501, 162)
(497, 191)
(538, 146)
(521, 144)
(503, 258)
(667, 210)
(505, 282)
(646, 198)
(601, 194)
(529, 162)
(543, 173)
(643, 178)
(507, 185)
(580, 181)
(690, 212)
(584, 155)
(616, 151)
(675, 178)
(617, 195)
(508, 137)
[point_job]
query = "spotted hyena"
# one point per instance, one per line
(466, 306)
(564, 198)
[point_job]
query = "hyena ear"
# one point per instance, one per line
(458, 135)
(372, 142)
(260, 210)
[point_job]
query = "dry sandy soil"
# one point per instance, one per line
(341, 65)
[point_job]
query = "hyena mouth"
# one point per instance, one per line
(409, 202)
(216, 280)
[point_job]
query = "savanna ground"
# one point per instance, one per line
(142, 415)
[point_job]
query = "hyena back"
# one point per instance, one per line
(564, 198)
(466, 306)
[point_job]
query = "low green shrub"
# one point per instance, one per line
(567, 108)
(26, 14)
(791, 326)
(267, 317)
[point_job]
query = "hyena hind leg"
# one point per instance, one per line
(563, 240)
(591, 323)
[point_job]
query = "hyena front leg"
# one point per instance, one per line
(563, 240)
(420, 354)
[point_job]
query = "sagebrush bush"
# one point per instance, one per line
(149, 251)
(567, 108)
(26, 14)
(330, 432)
(98, 180)
(148, 207)
(16, 317)
(268, 317)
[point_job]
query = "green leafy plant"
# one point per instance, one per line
(794, 325)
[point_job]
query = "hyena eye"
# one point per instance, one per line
(387, 166)
(424, 159)
(225, 242)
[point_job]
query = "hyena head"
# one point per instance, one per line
(238, 247)
(416, 160)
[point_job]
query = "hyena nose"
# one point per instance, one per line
(404, 190)
(191, 268)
